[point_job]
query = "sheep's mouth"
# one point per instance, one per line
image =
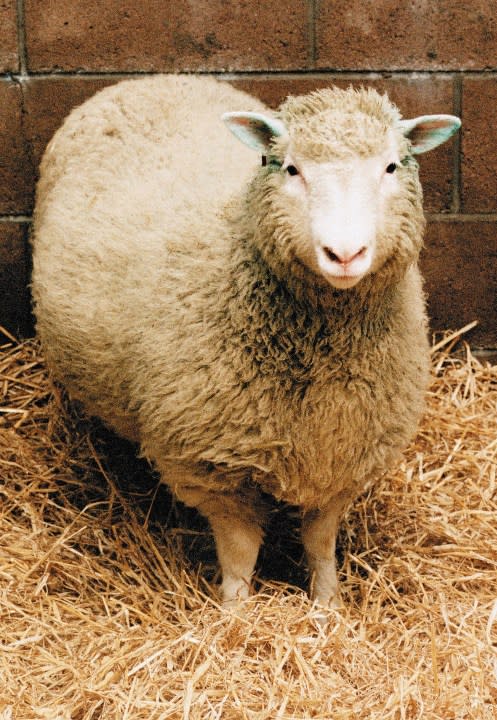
(341, 280)
(344, 282)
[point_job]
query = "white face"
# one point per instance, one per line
(344, 201)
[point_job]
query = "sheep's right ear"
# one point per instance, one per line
(255, 129)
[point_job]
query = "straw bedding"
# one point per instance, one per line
(106, 603)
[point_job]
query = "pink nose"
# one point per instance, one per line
(344, 257)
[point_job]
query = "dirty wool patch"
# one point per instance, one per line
(107, 610)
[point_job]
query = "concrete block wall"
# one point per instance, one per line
(429, 55)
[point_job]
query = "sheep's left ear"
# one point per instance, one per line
(428, 131)
(255, 129)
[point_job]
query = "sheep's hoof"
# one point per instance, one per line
(325, 609)
(233, 595)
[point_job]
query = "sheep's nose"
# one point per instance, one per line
(344, 257)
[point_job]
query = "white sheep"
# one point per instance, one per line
(256, 330)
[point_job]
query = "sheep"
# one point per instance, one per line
(254, 320)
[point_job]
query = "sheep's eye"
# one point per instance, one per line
(391, 168)
(291, 170)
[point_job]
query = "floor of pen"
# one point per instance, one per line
(108, 607)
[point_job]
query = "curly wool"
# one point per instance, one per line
(333, 123)
(170, 299)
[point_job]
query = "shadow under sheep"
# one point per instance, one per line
(281, 558)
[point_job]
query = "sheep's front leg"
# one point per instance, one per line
(238, 537)
(236, 520)
(319, 531)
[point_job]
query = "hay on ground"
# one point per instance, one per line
(106, 603)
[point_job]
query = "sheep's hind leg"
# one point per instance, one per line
(319, 531)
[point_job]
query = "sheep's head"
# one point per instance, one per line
(339, 184)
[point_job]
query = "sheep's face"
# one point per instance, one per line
(339, 186)
(342, 203)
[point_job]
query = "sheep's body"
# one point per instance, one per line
(169, 310)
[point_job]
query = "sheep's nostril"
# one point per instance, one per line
(331, 255)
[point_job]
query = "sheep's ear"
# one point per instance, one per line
(428, 131)
(254, 129)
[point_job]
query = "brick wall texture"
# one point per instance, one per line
(429, 55)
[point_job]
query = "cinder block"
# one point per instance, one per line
(460, 268)
(417, 35)
(9, 61)
(15, 313)
(49, 100)
(121, 35)
(16, 171)
(479, 145)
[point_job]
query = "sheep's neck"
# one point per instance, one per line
(272, 307)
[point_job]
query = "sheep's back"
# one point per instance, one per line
(131, 195)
